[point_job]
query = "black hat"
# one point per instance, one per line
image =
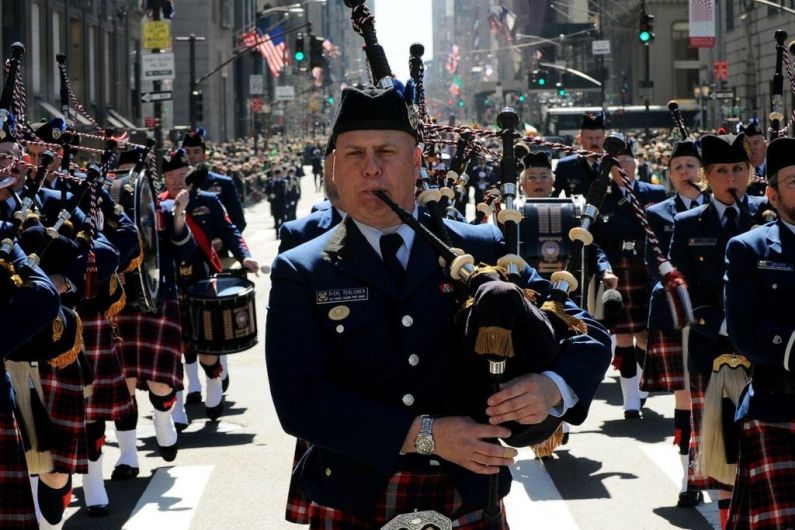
(629, 145)
(685, 148)
(8, 126)
(174, 160)
(194, 138)
(591, 121)
(538, 159)
(372, 108)
(751, 129)
(129, 156)
(725, 149)
(53, 131)
(780, 154)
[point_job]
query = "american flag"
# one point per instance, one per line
(272, 47)
(502, 21)
(453, 58)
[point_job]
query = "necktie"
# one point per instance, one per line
(390, 243)
(693, 204)
(730, 223)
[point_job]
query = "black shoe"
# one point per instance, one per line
(690, 498)
(565, 439)
(631, 414)
(193, 398)
(98, 510)
(124, 472)
(225, 383)
(181, 426)
(642, 402)
(168, 453)
(215, 412)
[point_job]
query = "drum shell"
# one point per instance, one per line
(221, 324)
(544, 233)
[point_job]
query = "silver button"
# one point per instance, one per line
(328, 471)
(408, 400)
(340, 328)
(414, 359)
(407, 321)
(774, 286)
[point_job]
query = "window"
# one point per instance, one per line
(680, 36)
(35, 47)
(56, 48)
(92, 70)
(730, 14)
(685, 61)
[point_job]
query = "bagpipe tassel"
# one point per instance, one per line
(677, 295)
(573, 324)
(494, 340)
(548, 446)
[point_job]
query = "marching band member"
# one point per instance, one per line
(324, 372)
(759, 289)
(664, 369)
(758, 144)
(574, 173)
(697, 251)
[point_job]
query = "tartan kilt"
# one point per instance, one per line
(110, 399)
(429, 489)
(16, 499)
(297, 509)
(763, 496)
(633, 284)
(66, 405)
(664, 368)
(698, 389)
(151, 345)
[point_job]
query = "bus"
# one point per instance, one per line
(565, 121)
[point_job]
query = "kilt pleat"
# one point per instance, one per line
(151, 345)
(664, 367)
(633, 284)
(406, 492)
(297, 509)
(66, 405)
(110, 399)
(698, 389)
(764, 497)
(16, 500)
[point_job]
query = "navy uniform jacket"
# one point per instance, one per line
(293, 233)
(120, 231)
(174, 248)
(698, 251)
(574, 175)
(344, 380)
(759, 293)
(276, 193)
(225, 188)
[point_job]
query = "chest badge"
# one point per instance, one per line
(339, 312)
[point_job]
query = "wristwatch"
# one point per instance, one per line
(424, 443)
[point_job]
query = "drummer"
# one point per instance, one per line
(207, 220)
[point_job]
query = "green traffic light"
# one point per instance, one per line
(562, 92)
(460, 102)
(542, 81)
(330, 100)
(299, 56)
(521, 98)
(644, 36)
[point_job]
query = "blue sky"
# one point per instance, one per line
(398, 24)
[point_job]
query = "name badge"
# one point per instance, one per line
(200, 210)
(336, 296)
(702, 242)
(668, 228)
(775, 266)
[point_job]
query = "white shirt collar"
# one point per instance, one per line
(721, 208)
(373, 236)
(687, 200)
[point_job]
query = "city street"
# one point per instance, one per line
(613, 473)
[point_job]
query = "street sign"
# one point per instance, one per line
(156, 34)
(645, 84)
(149, 97)
(285, 93)
(256, 84)
(600, 47)
(150, 121)
(720, 71)
(157, 66)
(723, 94)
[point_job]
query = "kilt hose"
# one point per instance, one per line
(297, 509)
(66, 405)
(698, 388)
(429, 489)
(16, 500)
(151, 345)
(633, 284)
(764, 497)
(664, 367)
(110, 399)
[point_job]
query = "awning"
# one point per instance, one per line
(120, 117)
(113, 121)
(58, 114)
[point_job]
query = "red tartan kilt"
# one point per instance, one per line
(297, 509)
(633, 284)
(16, 500)
(664, 367)
(66, 404)
(406, 492)
(110, 399)
(764, 497)
(698, 387)
(151, 346)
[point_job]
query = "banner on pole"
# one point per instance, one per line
(702, 24)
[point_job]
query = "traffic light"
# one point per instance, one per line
(521, 98)
(299, 49)
(461, 103)
(646, 28)
(197, 103)
(330, 100)
(539, 79)
(316, 59)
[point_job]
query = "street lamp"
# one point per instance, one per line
(702, 95)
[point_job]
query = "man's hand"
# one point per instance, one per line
(610, 280)
(526, 399)
(251, 265)
(181, 202)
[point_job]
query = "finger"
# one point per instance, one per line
(508, 406)
(481, 469)
(525, 416)
(483, 431)
(509, 391)
(486, 460)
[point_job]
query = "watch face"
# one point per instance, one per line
(424, 445)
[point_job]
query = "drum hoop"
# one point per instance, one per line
(147, 299)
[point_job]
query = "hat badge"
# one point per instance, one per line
(747, 146)
(56, 133)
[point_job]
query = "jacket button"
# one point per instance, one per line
(328, 471)
(340, 328)
(774, 286)
(414, 359)
(407, 321)
(408, 400)
(701, 258)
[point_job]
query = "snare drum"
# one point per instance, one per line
(222, 315)
(544, 232)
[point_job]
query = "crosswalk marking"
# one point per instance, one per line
(171, 498)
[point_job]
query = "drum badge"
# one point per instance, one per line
(339, 312)
(550, 250)
(57, 329)
(241, 319)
